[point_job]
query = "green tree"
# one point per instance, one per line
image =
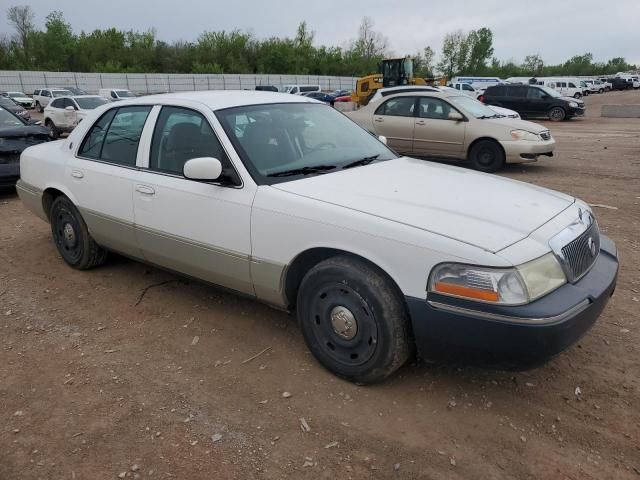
(533, 64)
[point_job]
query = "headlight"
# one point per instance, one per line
(573, 104)
(524, 135)
(502, 286)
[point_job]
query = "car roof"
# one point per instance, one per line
(220, 99)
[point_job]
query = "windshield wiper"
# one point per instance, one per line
(303, 171)
(362, 161)
(489, 116)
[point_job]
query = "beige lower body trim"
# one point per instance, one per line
(112, 233)
(268, 281)
(31, 198)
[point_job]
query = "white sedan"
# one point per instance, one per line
(286, 200)
(64, 113)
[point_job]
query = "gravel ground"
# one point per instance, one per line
(99, 381)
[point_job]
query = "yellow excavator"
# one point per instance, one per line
(392, 72)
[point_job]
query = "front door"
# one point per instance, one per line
(537, 101)
(395, 120)
(201, 229)
(434, 134)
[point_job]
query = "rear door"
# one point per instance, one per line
(434, 134)
(102, 173)
(202, 229)
(518, 98)
(395, 119)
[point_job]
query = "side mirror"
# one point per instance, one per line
(455, 116)
(69, 108)
(383, 139)
(203, 168)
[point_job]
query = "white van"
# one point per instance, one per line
(115, 94)
(567, 87)
(300, 89)
(465, 89)
(479, 84)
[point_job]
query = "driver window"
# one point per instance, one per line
(180, 135)
(397, 107)
(467, 87)
(433, 108)
(535, 94)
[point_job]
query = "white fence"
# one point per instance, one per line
(141, 83)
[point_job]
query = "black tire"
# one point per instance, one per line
(55, 133)
(557, 114)
(577, 95)
(601, 90)
(353, 320)
(486, 156)
(39, 107)
(72, 238)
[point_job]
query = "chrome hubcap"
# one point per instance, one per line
(344, 322)
(69, 235)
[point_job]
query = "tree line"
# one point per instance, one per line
(56, 47)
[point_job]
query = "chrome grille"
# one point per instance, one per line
(580, 254)
(546, 135)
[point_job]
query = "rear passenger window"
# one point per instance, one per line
(497, 91)
(180, 135)
(519, 92)
(115, 137)
(397, 107)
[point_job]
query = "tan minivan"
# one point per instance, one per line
(454, 126)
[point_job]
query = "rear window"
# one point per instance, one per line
(499, 91)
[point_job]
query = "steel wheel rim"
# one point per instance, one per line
(486, 156)
(67, 236)
(343, 324)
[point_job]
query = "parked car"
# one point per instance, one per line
(304, 210)
(10, 105)
(321, 97)
(300, 89)
(502, 112)
(20, 98)
(341, 93)
(453, 126)
(534, 101)
(64, 114)
(115, 94)
(595, 86)
(619, 83)
(16, 134)
(465, 88)
(608, 85)
(266, 88)
(43, 96)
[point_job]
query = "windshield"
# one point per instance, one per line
(124, 94)
(550, 91)
(472, 107)
(16, 95)
(6, 103)
(9, 120)
(89, 103)
(275, 138)
(61, 93)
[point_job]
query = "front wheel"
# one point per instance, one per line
(486, 156)
(577, 95)
(72, 238)
(353, 320)
(39, 107)
(557, 114)
(55, 133)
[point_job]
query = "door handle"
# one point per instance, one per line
(379, 120)
(77, 174)
(420, 122)
(145, 189)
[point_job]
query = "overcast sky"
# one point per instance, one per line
(557, 29)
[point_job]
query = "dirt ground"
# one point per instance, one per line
(97, 379)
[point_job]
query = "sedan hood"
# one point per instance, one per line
(486, 211)
(518, 124)
(25, 131)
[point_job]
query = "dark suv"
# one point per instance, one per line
(533, 101)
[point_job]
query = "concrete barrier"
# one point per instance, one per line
(621, 111)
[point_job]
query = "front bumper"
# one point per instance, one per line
(517, 151)
(523, 336)
(9, 174)
(25, 104)
(576, 112)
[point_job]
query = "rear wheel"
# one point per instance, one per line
(55, 133)
(557, 114)
(72, 238)
(486, 156)
(353, 320)
(39, 107)
(601, 90)
(577, 95)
